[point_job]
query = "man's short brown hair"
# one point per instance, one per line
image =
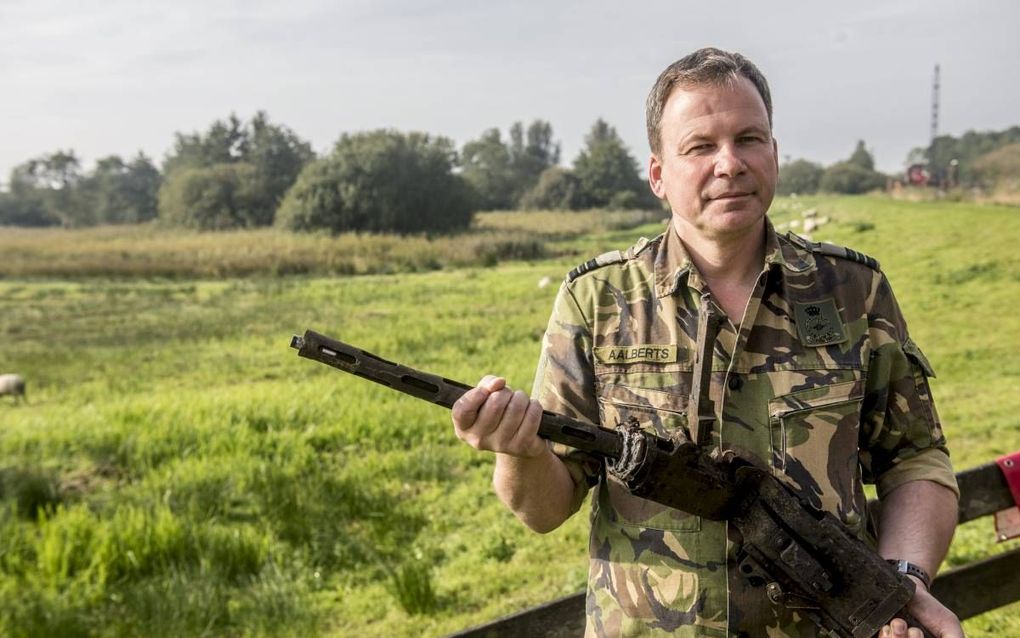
(704, 66)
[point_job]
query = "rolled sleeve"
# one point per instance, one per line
(565, 384)
(928, 465)
(902, 437)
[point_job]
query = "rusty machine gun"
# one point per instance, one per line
(803, 557)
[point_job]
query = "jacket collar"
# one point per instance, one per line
(673, 263)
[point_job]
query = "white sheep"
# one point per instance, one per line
(13, 385)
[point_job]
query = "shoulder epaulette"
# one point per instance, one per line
(832, 250)
(605, 259)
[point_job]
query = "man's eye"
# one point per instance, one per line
(749, 139)
(699, 148)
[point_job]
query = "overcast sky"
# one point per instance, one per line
(114, 76)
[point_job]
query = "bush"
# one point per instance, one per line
(557, 189)
(1000, 165)
(25, 210)
(850, 179)
(236, 173)
(799, 176)
(380, 181)
(218, 197)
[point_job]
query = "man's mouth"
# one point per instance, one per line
(731, 195)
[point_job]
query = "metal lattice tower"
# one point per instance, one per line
(935, 106)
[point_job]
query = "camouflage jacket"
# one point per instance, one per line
(820, 380)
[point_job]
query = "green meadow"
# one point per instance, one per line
(179, 471)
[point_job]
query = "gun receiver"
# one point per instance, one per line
(805, 558)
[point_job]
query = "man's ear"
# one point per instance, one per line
(655, 176)
(775, 151)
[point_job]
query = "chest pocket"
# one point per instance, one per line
(814, 440)
(662, 413)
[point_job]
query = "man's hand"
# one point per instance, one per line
(529, 479)
(493, 417)
(936, 618)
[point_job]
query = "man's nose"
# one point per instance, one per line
(728, 162)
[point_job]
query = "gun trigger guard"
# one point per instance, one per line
(752, 572)
(790, 601)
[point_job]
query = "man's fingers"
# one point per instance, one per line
(510, 421)
(465, 409)
(493, 417)
(527, 434)
(492, 383)
(896, 628)
(491, 412)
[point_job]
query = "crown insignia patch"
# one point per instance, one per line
(819, 323)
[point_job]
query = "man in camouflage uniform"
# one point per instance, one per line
(813, 373)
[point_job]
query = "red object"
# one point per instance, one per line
(1010, 466)
(1007, 522)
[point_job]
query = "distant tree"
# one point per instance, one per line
(532, 152)
(380, 181)
(269, 156)
(118, 192)
(998, 166)
(487, 166)
(223, 143)
(502, 172)
(44, 190)
(557, 189)
(140, 188)
(853, 176)
(799, 176)
(278, 156)
(217, 197)
(24, 210)
(605, 167)
(861, 157)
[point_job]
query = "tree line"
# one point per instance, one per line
(258, 173)
(974, 160)
(854, 175)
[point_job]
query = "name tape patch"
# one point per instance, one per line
(642, 353)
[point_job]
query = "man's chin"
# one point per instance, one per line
(735, 203)
(734, 222)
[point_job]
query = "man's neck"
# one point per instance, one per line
(737, 257)
(729, 264)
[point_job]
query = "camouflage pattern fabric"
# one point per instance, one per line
(819, 379)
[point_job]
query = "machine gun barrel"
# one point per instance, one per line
(445, 392)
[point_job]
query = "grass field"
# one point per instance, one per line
(179, 471)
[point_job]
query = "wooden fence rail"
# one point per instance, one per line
(968, 590)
